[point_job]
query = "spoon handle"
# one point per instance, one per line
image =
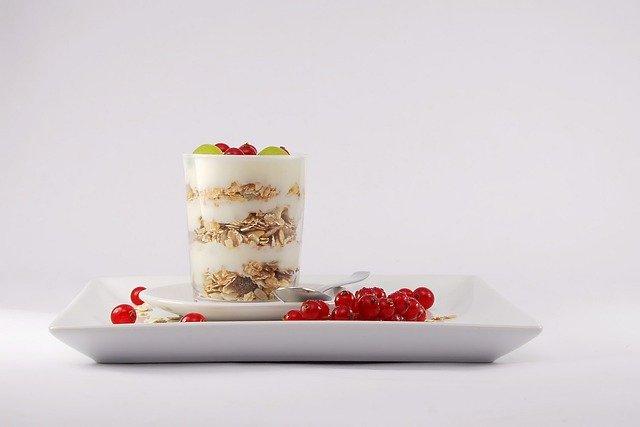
(356, 277)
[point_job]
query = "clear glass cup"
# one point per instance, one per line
(245, 218)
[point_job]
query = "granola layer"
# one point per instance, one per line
(273, 228)
(256, 281)
(234, 192)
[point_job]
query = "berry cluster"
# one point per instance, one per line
(369, 304)
(125, 313)
(245, 149)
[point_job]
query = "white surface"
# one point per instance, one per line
(499, 138)
(178, 298)
(486, 327)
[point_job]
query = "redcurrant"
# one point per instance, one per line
(248, 149)
(408, 292)
(368, 307)
(424, 296)
(193, 317)
(413, 309)
(395, 318)
(341, 312)
(135, 298)
(378, 292)
(233, 151)
(364, 291)
(387, 308)
(344, 298)
(293, 315)
(311, 310)
(422, 315)
(400, 301)
(324, 309)
(222, 146)
(123, 313)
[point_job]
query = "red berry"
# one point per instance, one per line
(135, 298)
(248, 149)
(123, 313)
(387, 309)
(378, 292)
(293, 315)
(221, 145)
(368, 307)
(424, 296)
(193, 317)
(341, 312)
(344, 298)
(413, 309)
(324, 309)
(311, 310)
(364, 291)
(233, 151)
(400, 301)
(422, 315)
(395, 318)
(408, 292)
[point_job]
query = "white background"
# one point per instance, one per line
(493, 138)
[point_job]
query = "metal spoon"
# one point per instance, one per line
(326, 293)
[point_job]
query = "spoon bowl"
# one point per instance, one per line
(326, 293)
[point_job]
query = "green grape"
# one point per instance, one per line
(273, 151)
(207, 149)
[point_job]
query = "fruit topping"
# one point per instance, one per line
(207, 149)
(123, 313)
(221, 145)
(233, 151)
(273, 151)
(135, 295)
(248, 149)
(193, 317)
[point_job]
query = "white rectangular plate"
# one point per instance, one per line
(486, 327)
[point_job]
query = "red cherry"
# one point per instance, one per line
(135, 298)
(248, 149)
(368, 307)
(344, 298)
(378, 292)
(400, 301)
(424, 296)
(387, 309)
(123, 313)
(395, 318)
(341, 312)
(364, 291)
(287, 151)
(408, 292)
(193, 317)
(413, 309)
(293, 315)
(311, 310)
(422, 316)
(222, 146)
(233, 151)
